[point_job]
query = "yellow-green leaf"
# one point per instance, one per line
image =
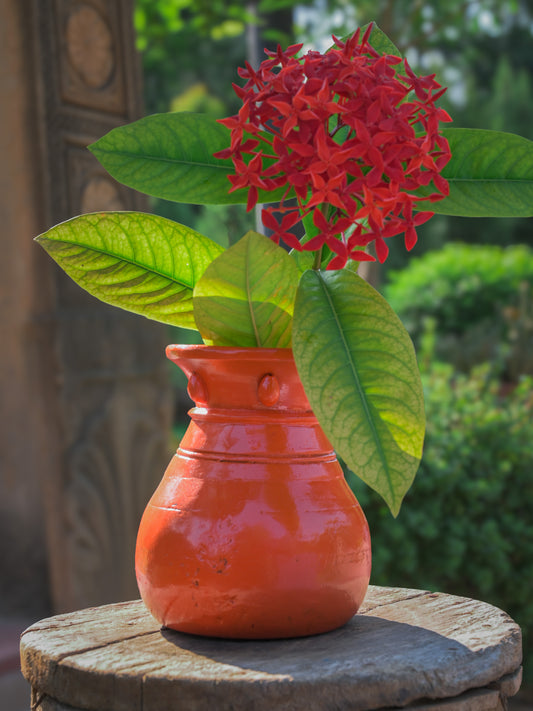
(246, 296)
(138, 262)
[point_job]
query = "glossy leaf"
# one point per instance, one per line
(138, 262)
(170, 156)
(246, 296)
(490, 174)
(359, 370)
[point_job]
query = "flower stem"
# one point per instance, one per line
(318, 259)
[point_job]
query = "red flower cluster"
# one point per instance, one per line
(349, 136)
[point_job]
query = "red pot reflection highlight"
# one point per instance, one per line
(253, 532)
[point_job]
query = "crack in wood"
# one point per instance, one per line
(388, 603)
(62, 657)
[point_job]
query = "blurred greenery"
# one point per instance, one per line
(465, 527)
(479, 300)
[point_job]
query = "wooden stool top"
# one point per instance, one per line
(405, 646)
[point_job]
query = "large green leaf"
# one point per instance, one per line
(359, 370)
(490, 174)
(141, 263)
(246, 296)
(170, 156)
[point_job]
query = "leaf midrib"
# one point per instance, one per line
(249, 294)
(122, 259)
(225, 168)
(172, 161)
(488, 180)
(358, 383)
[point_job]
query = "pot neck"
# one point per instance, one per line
(260, 379)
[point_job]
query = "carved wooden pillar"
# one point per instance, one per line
(101, 383)
(114, 399)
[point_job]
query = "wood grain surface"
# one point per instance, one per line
(405, 647)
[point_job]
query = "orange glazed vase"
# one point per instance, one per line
(253, 532)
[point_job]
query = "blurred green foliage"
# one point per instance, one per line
(477, 298)
(465, 526)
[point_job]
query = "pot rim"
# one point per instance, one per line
(176, 350)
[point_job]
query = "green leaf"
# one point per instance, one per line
(490, 174)
(246, 296)
(141, 263)
(304, 260)
(379, 40)
(170, 156)
(359, 371)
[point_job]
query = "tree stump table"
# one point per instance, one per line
(406, 648)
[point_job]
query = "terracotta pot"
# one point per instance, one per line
(253, 532)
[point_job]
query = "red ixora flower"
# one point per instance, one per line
(352, 134)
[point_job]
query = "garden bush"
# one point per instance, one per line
(479, 300)
(466, 525)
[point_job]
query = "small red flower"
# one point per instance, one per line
(350, 135)
(327, 191)
(248, 176)
(280, 230)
